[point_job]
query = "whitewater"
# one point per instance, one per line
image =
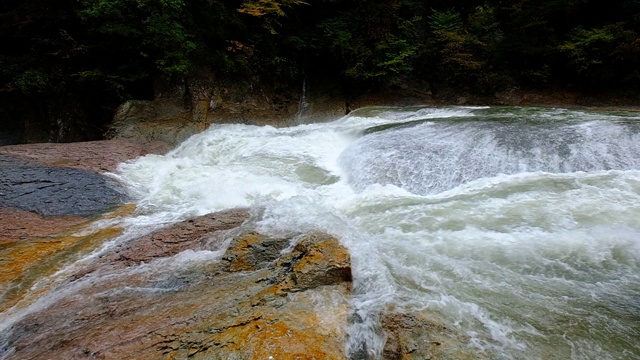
(517, 227)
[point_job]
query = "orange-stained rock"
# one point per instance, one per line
(33, 246)
(414, 336)
(176, 296)
(324, 261)
(251, 251)
(191, 234)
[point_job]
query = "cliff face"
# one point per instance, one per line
(182, 110)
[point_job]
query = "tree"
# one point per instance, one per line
(603, 56)
(462, 56)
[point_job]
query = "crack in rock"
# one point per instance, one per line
(57, 191)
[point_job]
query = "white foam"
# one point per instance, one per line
(504, 228)
(515, 233)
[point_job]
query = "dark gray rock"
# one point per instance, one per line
(6, 160)
(57, 191)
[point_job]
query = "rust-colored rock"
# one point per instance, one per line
(18, 225)
(33, 246)
(171, 297)
(323, 262)
(191, 234)
(415, 336)
(251, 251)
(95, 156)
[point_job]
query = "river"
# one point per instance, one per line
(518, 227)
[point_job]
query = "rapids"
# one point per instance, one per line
(516, 226)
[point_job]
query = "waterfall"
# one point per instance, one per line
(518, 227)
(429, 158)
(513, 224)
(303, 103)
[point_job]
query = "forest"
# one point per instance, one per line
(81, 58)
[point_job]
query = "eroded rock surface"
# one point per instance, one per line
(181, 293)
(97, 156)
(63, 179)
(19, 225)
(412, 335)
(53, 191)
(194, 234)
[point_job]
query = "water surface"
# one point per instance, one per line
(516, 226)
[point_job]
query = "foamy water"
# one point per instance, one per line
(517, 226)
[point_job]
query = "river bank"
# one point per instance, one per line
(169, 119)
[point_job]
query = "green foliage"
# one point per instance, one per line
(484, 25)
(395, 57)
(371, 42)
(603, 55)
(463, 57)
(447, 21)
(32, 81)
(105, 51)
(589, 48)
(346, 44)
(153, 28)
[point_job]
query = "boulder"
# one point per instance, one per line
(323, 261)
(415, 335)
(252, 251)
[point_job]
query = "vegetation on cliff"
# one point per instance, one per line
(69, 61)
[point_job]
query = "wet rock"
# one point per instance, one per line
(52, 191)
(323, 261)
(193, 234)
(6, 160)
(415, 336)
(33, 246)
(181, 111)
(18, 224)
(407, 337)
(62, 179)
(97, 156)
(176, 300)
(251, 251)
(165, 120)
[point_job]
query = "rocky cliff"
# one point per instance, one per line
(181, 110)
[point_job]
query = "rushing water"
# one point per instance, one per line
(520, 227)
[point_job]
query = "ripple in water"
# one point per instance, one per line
(517, 226)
